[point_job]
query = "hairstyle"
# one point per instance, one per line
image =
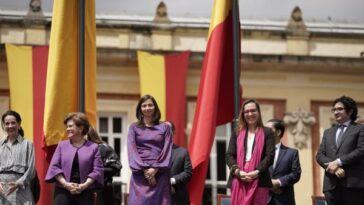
(278, 125)
(242, 122)
(80, 119)
(17, 118)
(139, 114)
(93, 136)
(349, 105)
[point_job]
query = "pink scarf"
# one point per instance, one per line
(244, 193)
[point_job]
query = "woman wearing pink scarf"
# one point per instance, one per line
(249, 156)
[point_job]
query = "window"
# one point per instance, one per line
(218, 172)
(112, 128)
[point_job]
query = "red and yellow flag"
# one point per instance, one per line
(27, 89)
(62, 92)
(215, 101)
(164, 77)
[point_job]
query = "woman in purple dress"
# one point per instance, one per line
(149, 154)
(76, 165)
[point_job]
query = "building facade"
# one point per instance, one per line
(295, 69)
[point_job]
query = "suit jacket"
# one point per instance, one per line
(351, 153)
(266, 161)
(89, 160)
(288, 171)
(182, 172)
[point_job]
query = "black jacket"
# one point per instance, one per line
(182, 171)
(288, 171)
(266, 161)
(350, 152)
(110, 161)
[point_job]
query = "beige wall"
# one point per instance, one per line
(319, 79)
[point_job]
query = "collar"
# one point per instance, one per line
(278, 146)
(19, 139)
(346, 124)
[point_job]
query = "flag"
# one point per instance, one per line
(62, 89)
(164, 77)
(27, 89)
(215, 101)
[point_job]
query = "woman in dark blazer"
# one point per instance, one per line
(249, 155)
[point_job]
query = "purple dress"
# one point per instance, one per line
(150, 147)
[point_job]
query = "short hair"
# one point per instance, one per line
(278, 125)
(349, 105)
(139, 114)
(80, 119)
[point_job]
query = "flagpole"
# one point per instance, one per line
(236, 56)
(81, 74)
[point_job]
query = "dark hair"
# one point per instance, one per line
(17, 118)
(278, 125)
(80, 119)
(139, 114)
(242, 122)
(349, 105)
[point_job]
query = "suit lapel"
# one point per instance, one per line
(282, 152)
(331, 137)
(346, 133)
(271, 170)
(174, 153)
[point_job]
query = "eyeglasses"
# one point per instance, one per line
(250, 111)
(337, 109)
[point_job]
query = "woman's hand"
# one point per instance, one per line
(83, 186)
(12, 186)
(252, 175)
(150, 173)
(71, 187)
(247, 176)
(79, 188)
(2, 191)
(152, 181)
(244, 176)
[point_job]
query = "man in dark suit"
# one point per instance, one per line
(341, 154)
(181, 172)
(286, 168)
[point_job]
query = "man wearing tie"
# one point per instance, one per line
(341, 154)
(286, 168)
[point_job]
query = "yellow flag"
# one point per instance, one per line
(62, 74)
(152, 78)
(21, 84)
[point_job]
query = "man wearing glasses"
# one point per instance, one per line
(341, 154)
